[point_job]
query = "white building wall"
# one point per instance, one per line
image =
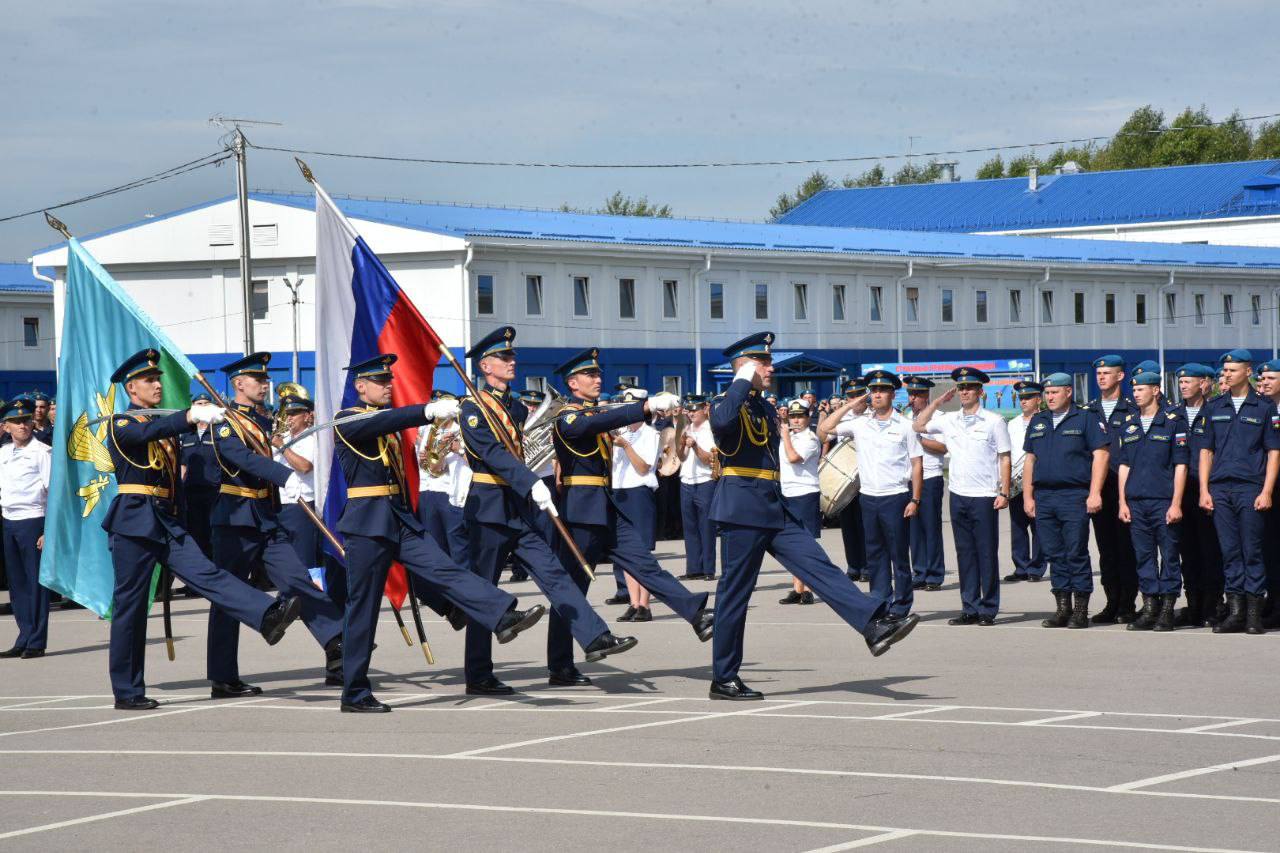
(1250, 231)
(15, 355)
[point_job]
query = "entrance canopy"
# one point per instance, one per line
(793, 373)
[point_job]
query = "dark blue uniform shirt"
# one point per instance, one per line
(1064, 455)
(1114, 424)
(1153, 456)
(1239, 440)
(196, 454)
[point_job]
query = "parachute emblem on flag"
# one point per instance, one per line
(86, 445)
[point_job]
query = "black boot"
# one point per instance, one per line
(1253, 615)
(1166, 621)
(1146, 620)
(1062, 613)
(1107, 615)
(1233, 622)
(1214, 610)
(1192, 614)
(1079, 611)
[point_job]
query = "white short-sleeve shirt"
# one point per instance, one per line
(647, 443)
(885, 451)
(932, 461)
(800, 478)
(693, 470)
(24, 479)
(974, 444)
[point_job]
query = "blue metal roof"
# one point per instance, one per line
(1208, 191)
(17, 278)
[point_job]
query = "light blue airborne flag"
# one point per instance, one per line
(101, 327)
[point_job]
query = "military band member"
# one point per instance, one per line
(749, 508)
(890, 472)
(798, 477)
(1238, 435)
(1115, 547)
(379, 526)
(24, 492)
(978, 441)
(1200, 556)
(850, 518)
(1153, 477)
(532, 399)
(633, 489)
(443, 483)
(696, 488)
(299, 414)
(501, 514)
(1065, 466)
(1024, 542)
(144, 529)
(928, 568)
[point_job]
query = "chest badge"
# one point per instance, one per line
(1132, 428)
(1039, 427)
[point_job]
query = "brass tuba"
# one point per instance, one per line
(283, 390)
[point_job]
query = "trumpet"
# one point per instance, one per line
(435, 447)
(283, 390)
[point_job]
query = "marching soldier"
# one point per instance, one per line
(928, 567)
(24, 492)
(144, 530)
(696, 489)
(798, 477)
(850, 518)
(1065, 466)
(748, 506)
(1153, 479)
(1024, 542)
(1200, 556)
(1239, 439)
(379, 526)
(1115, 547)
(501, 521)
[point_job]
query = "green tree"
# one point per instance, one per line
(1191, 141)
(993, 168)
(873, 177)
(1132, 145)
(1266, 142)
(910, 173)
(812, 185)
(621, 205)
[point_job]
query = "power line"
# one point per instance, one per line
(732, 164)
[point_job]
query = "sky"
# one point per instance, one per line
(94, 94)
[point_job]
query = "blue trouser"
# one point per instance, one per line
(885, 532)
(640, 504)
(853, 537)
(808, 509)
(445, 524)
(1063, 524)
(1155, 544)
(1201, 557)
(926, 534)
(304, 536)
(799, 553)
(699, 529)
(29, 599)
(976, 528)
(541, 522)
(369, 559)
(1024, 542)
(1241, 529)
(238, 551)
(491, 544)
(134, 560)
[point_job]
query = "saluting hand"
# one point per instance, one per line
(947, 396)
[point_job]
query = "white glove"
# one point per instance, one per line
(442, 409)
(541, 496)
(293, 484)
(207, 413)
(663, 403)
(747, 371)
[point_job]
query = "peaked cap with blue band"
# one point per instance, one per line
(969, 376)
(587, 359)
(140, 363)
(372, 368)
(254, 364)
(917, 383)
(1027, 388)
(754, 345)
(882, 379)
(500, 340)
(18, 409)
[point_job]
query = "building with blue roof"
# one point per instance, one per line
(26, 330)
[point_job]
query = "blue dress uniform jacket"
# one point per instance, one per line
(500, 483)
(145, 457)
(245, 494)
(1119, 417)
(745, 427)
(585, 454)
(370, 457)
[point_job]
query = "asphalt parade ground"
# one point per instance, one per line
(1003, 738)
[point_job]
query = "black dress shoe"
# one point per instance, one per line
(519, 577)
(233, 690)
(964, 619)
(883, 633)
(514, 621)
(1034, 578)
(367, 705)
(806, 597)
(792, 597)
(28, 654)
(607, 644)
(708, 577)
(853, 576)
(15, 652)
(733, 690)
(279, 617)
(643, 614)
(140, 703)
(932, 587)
(333, 680)
(618, 599)
(986, 620)
(1014, 578)
(917, 584)
(333, 658)
(570, 677)
(490, 686)
(692, 576)
(6, 609)
(629, 615)
(704, 625)
(457, 619)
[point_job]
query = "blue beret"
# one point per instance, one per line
(41, 397)
(587, 359)
(1272, 366)
(752, 345)
(1108, 361)
(917, 383)
(1148, 366)
(1242, 356)
(500, 340)
(372, 368)
(254, 364)
(1146, 378)
(1027, 388)
(141, 362)
(1057, 380)
(882, 379)
(969, 376)
(1194, 370)
(18, 409)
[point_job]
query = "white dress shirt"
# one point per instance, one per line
(932, 461)
(647, 443)
(456, 479)
(1017, 426)
(974, 447)
(800, 478)
(24, 480)
(693, 470)
(885, 452)
(304, 487)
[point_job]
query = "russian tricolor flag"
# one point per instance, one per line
(361, 313)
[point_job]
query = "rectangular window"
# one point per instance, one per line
(837, 303)
(715, 291)
(948, 305)
(633, 381)
(260, 299)
(980, 306)
(913, 304)
(31, 331)
(627, 298)
(581, 296)
(1140, 309)
(1046, 306)
(1255, 309)
(533, 295)
(1079, 305)
(1109, 307)
(536, 383)
(1171, 309)
(484, 294)
(1227, 302)
(672, 384)
(877, 303)
(802, 300)
(1199, 309)
(762, 301)
(670, 299)
(1015, 306)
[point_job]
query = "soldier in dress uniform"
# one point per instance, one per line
(24, 493)
(1200, 556)
(379, 526)
(1024, 542)
(1066, 464)
(1115, 547)
(928, 568)
(501, 516)
(605, 528)
(144, 529)
(200, 478)
(696, 488)
(852, 536)
(749, 508)
(1238, 435)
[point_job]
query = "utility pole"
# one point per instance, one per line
(294, 286)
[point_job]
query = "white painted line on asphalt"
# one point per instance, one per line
(867, 841)
(29, 704)
(134, 716)
(1227, 724)
(1188, 774)
(665, 816)
(904, 714)
(104, 816)
(1060, 718)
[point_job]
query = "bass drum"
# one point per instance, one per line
(838, 478)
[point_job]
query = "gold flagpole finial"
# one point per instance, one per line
(57, 224)
(306, 170)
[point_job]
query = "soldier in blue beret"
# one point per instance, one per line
(41, 425)
(1024, 542)
(1116, 562)
(1269, 387)
(1064, 469)
(1199, 554)
(25, 466)
(928, 568)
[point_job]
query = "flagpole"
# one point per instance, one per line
(238, 146)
